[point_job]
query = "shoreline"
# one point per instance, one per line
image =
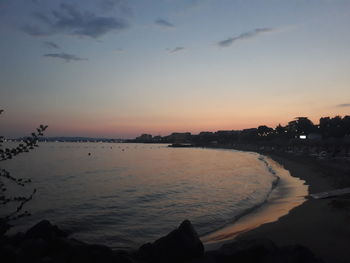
(288, 193)
(321, 225)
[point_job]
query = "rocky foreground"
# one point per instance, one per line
(45, 242)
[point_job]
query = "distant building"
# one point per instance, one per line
(205, 133)
(144, 138)
(310, 136)
(314, 136)
(179, 137)
(226, 132)
(250, 130)
(157, 138)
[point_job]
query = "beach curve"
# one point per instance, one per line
(287, 192)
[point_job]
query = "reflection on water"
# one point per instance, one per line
(128, 194)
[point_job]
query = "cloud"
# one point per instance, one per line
(110, 4)
(343, 105)
(119, 5)
(164, 23)
(35, 31)
(68, 20)
(118, 50)
(177, 49)
(50, 44)
(245, 35)
(66, 57)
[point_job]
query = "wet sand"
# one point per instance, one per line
(321, 225)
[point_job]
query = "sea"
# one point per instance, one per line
(123, 195)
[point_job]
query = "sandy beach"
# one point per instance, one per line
(321, 225)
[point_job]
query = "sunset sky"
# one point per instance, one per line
(119, 68)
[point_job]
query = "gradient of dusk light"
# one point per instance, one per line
(119, 68)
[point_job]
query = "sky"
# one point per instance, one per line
(119, 68)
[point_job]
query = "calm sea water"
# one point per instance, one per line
(124, 195)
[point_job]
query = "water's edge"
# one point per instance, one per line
(287, 192)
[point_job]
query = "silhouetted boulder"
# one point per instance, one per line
(4, 227)
(297, 253)
(251, 250)
(92, 254)
(182, 244)
(125, 256)
(45, 243)
(31, 250)
(7, 253)
(259, 251)
(45, 230)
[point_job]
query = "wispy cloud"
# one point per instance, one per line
(164, 23)
(112, 5)
(250, 34)
(66, 57)
(343, 105)
(50, 44)
(174, 50)
(109, 4)
(118, 50)
(68, 19)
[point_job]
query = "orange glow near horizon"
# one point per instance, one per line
(107, 123)
(229, 76)
(130, 128)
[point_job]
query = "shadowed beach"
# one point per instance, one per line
(321, 225)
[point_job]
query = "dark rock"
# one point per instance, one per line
(146, 251)
(124, 257)
(259, 251)
(92, 254)
(16, 239)
(47, 260)
(44, 229)
(299, 254)
(45, 243)
(62, 249)
(7, 253)
(32, 250)
(4, 227)
(180, 245)
(245, 251)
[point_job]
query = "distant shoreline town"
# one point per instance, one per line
(331, 136)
